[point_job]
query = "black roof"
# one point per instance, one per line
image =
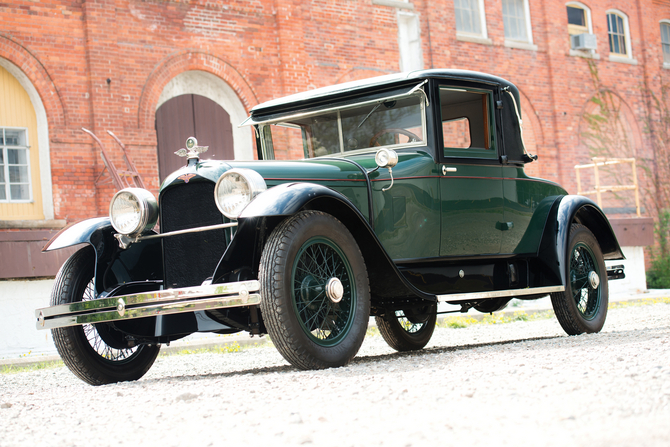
(338, 90)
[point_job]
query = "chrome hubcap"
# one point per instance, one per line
(594, 280)
(334, 290)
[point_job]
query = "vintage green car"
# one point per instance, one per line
(382, 197)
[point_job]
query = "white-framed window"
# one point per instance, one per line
(618, 34)
(14, 165)
(409, 41)
(665, 40)
(470, 17)
(579, 18)
(516, 20)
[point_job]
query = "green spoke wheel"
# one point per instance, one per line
(315, 292)
(582, 307)
(96, 353)
(408, 330)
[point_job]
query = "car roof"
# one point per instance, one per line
(337, 90)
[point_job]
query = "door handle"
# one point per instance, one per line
(446, 169)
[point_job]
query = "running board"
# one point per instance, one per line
(160, 302)
(500, 294)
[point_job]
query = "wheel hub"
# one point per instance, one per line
(594, 280)
(334, 290)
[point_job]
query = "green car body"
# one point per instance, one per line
(454, 219)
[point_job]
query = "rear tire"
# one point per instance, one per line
(409, 332)
(96, 353)
(582, 307)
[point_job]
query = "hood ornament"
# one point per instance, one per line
(192, 149)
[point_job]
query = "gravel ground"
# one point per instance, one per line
(516, 384)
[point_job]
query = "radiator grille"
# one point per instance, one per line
(191, 258)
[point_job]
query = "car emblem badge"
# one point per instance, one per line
(192, 149)
(186, 177)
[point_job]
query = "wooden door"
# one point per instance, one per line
(191, 115)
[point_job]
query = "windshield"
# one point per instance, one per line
(392, 122)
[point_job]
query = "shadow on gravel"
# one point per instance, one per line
(626, 336)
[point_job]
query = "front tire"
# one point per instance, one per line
(408, 331)
(582, 307)
(315, 291)
(96, 353)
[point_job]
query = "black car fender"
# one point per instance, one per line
(141, 261)
(568, 210)
(269, 208)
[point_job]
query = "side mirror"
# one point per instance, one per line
(386, 158)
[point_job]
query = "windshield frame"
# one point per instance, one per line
(265, 132)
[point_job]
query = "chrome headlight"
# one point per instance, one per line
(386, 158)
(235, 189)
(133, 211)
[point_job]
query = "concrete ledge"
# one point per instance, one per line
(56, 224)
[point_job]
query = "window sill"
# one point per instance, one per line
(473, 39)
(623, 59)
(587, 54)
(520, 45)
(666, 65)
(56, 224)
(394, 4)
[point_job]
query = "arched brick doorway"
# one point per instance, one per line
(191, 115)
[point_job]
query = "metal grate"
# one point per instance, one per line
(191, 258)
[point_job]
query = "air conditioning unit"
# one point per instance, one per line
(584, 41)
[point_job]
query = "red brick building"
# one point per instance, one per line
(135, 66)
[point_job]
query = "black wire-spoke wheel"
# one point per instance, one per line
(320, 263)
(582, 307)
(96, 353)
(408, 330)
(315, 291)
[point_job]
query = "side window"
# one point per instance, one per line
(665, 41)
(467, 124)
(14, 166)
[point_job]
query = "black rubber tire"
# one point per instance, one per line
(403, 334)
(581, 308)
(279, 308)
(72, 343)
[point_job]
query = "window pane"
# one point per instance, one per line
(15, 137)
(576, 16)
(2, 157)
(18, 174)
(3, 195)
(514, 19)
(19, 192)
(2, 176)
(465, 120)
(17, 156)
(665, 41)
(456, 133)
(665, 33)
(617, 38)
(467, 16)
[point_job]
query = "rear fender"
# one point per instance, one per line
(141, 261)
(553, 248)
(268, 209)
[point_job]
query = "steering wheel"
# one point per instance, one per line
(396, 132)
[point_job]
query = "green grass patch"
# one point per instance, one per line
(638, 303)
(226, 348)
(501, 318)
(14, 369)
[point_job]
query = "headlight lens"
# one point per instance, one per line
(133, 211)
(235, 189)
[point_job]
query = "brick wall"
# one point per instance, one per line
(103, 64)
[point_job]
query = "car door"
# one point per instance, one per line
(471, 186)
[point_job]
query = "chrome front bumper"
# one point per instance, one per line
(161, 302)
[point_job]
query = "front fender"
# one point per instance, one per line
(268, 209)
(567, 210)
(113, 266)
